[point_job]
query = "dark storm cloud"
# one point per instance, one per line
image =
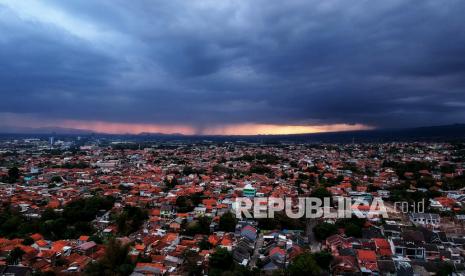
(381, 63)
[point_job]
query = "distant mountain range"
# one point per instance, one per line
(430, 133)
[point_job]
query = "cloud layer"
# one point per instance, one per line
(215, 64)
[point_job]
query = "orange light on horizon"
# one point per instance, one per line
(231, 129)
(9, 119)
(270, 129)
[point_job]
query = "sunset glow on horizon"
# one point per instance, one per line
(227, 129)
(271, 129)
(33, 122)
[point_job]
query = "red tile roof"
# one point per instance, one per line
(366, 255)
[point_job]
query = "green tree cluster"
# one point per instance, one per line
(130, 220)
(116, 261)
(71, 223)
(199, 226)
(227, 222)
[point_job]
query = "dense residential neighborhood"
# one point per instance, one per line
(232, 137)
(100, 206)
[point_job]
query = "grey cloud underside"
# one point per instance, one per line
(381, 63)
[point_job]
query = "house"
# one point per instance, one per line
(42, 245)
(77, 263)
(37, 237)
(173, 261)
(243, 251)
(391, 230)
(383, 248)
(433, 237)
(409, 249)
(83, 239)
(337, 242)
(425, 219)
(344, 265)
(403, 267)
(442, 203)
(87, 248)
(384, 194)
(277, 254)
(149, 269)
(226, 243)
(455, 255)
(249, 232)
(269, 266)
(367, 261)
(200, 211)
(167, 211)
(175, 227)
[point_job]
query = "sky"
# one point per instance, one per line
(231, 67)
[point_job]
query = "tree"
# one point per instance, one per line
(281, 221)
(221, 260)
(324, 230)
(191, 264)
(13, 174)
(323, 259)
(199, 226)
(15, 256)
(184, 204)
(73, 222)
(352, 226)
(28, 241)
(448, 168)
(353, 230)
(49, 214)
(304, 265)
(122, 223)
(130, 220)
(227, 222)
(96, 239)
(196, 198)
(259, 169)
(116, 261)
(86, 209)
(321, 193)
(56, 179)
(445, 268)
(170, 184)
(204, 244)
